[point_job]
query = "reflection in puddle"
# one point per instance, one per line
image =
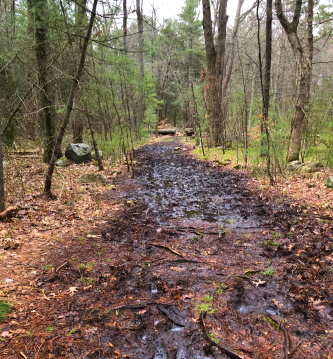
(175, 186)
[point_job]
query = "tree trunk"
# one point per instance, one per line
(303, 56)
(2, 185)
(140, 109)
(81, 22)
(214, 60)
(92, 132)
(40, 10)
(125, 17)
(218, 68)
(265, 80)
(70, 102)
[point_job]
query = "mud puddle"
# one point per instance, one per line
(174, 185)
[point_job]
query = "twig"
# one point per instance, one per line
(288, 353)
(227, 351)
(132, 306)
(24, 356)
(287, 342)
(37, 354)
(167, 248)
(60, 267)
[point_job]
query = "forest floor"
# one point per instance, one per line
(185, 260)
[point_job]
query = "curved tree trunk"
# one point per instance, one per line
(303, 56)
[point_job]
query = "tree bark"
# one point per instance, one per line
(81, 22)
(140, 110)
(125, 17)
(214, 61)
(2, 181)
(92, 132)
(303, 56)
(40, 10)
(265, 81)
(70, 102)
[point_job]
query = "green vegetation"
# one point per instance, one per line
(86, 266)
(71, 332)
(206, 305)
(272, 323)
(269, 272)
(47, 267)
(5, 308)
(87, 281)
(270, 243)
(213, 338)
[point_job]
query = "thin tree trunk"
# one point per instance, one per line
(125, 17)
(265, 80)
(140, 110)
(70, 102)
(2, 181)
(92, 132)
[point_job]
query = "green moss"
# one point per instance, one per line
(5, 308)
(269, 272)
(272, 323)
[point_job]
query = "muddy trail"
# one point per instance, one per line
(197, 264)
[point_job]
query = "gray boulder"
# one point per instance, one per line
(92, 177)
(329, 182)
(78, 152)
(294, 166)
(311, 167)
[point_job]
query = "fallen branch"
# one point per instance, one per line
(60, 267)
(287, 342)
(173, 314)
(225, 350)
(9, 212)
(167, 248)
(133, 306)
(288, 353)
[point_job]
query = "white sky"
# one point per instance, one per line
(170, 8)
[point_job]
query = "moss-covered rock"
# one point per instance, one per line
(92, 178)
(311, 167)
(63, 162)
(329, 182)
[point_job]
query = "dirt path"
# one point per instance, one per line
(197, 261)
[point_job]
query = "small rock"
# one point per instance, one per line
(329, 182)
(294, 165)
(176, 149)
(181, 354)
(160, 353)
(63, 162)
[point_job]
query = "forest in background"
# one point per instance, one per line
(259, 85)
